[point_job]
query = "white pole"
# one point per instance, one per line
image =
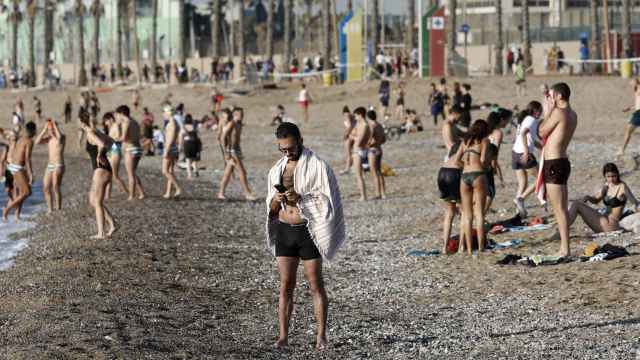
(420, 39)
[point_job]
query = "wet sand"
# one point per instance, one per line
(190, 278)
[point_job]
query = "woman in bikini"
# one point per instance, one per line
(474, 184)
(101, 176)
(614, 195)
(114, 153)
(191, 145)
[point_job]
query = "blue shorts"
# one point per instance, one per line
(635, 119)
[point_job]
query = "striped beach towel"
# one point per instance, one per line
(320, 205)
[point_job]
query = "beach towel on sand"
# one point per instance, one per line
(320, 203)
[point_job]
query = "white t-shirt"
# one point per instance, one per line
(530, 123)
(303, 96)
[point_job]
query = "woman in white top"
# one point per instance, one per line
(523, 160)
(304, 99)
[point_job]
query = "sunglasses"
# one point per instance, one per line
(289, 150)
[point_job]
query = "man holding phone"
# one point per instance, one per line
(304, 222)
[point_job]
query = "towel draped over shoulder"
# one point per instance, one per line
(320, 203)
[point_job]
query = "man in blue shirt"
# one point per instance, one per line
(584, 55)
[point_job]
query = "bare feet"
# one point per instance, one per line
(112, 229)
(167, 196)
(321, 344)
(129, 198)
(5, 214)
(250, 197)
(344, 172)
(281, 343)
(97, 237)
(141, 196)
(221, 197)
(178, 193)
(362, 198)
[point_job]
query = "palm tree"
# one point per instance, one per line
(240, 38)
(269, 46)
(499, 46)
(410, 39)
(31, 13)
(451, 37)
(627, 48)
(15, 18)
(326, 30)
(307, 23)
(215, 29)
(182, 54)
(154, 37)
(96, 12)
(334, 27)
(526, 35)
(288, 12)
(80, 11)
(119, 5)
(136, 39)
(48, 35)
(596, 49)
(376, 25)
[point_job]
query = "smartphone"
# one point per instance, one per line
(280, 188)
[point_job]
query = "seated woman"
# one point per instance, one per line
(614, 195)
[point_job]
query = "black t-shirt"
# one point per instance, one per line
(465, 104)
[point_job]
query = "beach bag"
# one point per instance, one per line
(452, 244)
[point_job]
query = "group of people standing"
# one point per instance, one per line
(110, 139)
(440, 100)
(363, 139)
(466, 179)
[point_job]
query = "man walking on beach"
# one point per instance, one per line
(56, 141)
(19, 165)
(229, 136)
(556, 130)
(132, 150)
(305, 222)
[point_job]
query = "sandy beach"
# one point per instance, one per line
(190, 278)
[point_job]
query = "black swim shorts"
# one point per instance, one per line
(449, 184)
(295, 241)
(557, 171)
